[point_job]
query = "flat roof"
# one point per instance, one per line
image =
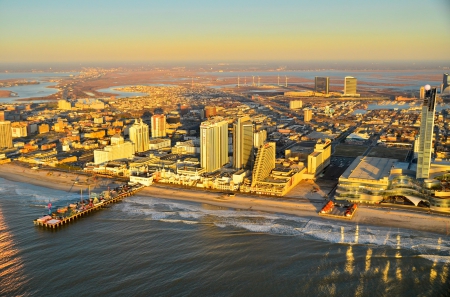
(369, 168)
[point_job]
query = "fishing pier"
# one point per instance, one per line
(54, 220)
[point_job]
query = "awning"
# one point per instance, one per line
(415, 200)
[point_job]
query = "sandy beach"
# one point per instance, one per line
(290, 204)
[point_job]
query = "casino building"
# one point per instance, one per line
(375, 180)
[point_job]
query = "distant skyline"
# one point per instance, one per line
(108, 31)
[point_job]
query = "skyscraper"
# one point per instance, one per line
(213, 144)
(5, 135)
(350, 86)
(158, 125)
(445, 88)
(422, 93)
(139, 136)
(322, 84)
(426, 133)
(243, 143)
(259, 137)
(264, 163)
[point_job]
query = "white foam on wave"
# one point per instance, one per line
(179, 221)
(435, 258)
(46, 195)
(260, 222)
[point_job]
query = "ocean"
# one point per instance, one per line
(146, 246)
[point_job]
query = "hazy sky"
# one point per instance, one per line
(133, 30)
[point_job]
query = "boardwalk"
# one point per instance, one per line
(58, 222)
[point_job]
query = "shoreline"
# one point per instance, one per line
(303, 207)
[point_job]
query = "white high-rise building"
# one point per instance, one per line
(259, 138)
(264, 163)
(5, 135)
(213, 144)
(139, 136)
(158, 125)
(350, 83)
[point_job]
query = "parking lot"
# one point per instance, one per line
(337, 166)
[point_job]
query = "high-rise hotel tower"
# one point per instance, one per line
(213, 144)
(243, 143)
(158, 125)
(264, 163)
(426, 133)
(350, 86)
(5, 135)
(322, 84)
(139, 136)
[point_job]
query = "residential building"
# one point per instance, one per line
(320, 158)
(295, 104)
(322, 84)
(158, 125)
(19, 129)
(307, 114)
(422, 93)
(64, 104)
(123, 150)
(243, 143)
(350, 86)
(5, 135)
(264, 163)
(139, 136)
(445, 88)
(259, 138)
(213, 144)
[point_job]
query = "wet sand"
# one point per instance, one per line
(290, 204)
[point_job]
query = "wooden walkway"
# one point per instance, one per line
(66, 220)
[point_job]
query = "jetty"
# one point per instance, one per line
(66, 215)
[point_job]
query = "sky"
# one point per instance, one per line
(232, 30)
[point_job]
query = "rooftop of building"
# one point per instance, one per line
(369, 168)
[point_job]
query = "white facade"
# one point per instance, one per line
(156, 144)
(259, 138)
(139, 136)
(213, 144)
(114, 152)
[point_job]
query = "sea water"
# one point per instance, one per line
(146, 246)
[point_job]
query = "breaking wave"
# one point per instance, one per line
(432, 246)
